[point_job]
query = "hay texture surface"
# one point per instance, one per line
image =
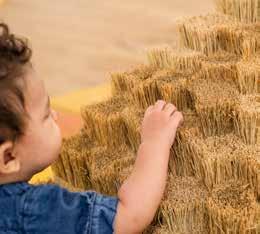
(183, 206)
(243, 10)
(247, 119)
(218, 159)
(248, 77)
(214, 33)
(167, 84)
(178, 60)
(232, 208)
(214, 101)
(108, 167)
(104, 122)
(126, 81)
(72, 164)
(181, 156)
(213, 183)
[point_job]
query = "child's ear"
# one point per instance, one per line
(9, 163)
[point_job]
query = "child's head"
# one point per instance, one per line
(29, 136)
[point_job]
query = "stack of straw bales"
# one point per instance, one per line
(247, 11)
(214, 170)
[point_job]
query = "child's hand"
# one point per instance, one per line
(160, 124)
(149, 176)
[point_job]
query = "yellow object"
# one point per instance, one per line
(72, 102)
(42, 177)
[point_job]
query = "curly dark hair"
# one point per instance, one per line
(14, 55)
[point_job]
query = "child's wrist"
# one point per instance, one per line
(156, 144)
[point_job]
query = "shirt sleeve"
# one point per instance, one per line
(52, 209)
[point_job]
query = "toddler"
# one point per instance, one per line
(30, 141)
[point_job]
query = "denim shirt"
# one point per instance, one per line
(50, 209)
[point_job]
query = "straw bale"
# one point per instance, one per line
(58, 168)
(166, 84)
(158, 230)
(201, 32)
(79, 167)
(72, 166)
(102, 156)
(172, 87)
(145, 94)
(214, 102)
(215, 32)
(183, 206)
(247, 118)
(181, 157)
(179, 60)
(246, 11)
(133, 117)
(249, 35)
(221, 66)
(162, 230)
(249, 168)
(221, 158)
(108, 167)
(232, 208)
(248, 80)
(63, 183)
(110, 180)
(124, 82)
(104, 122)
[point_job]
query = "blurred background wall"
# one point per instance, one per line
(76, 43)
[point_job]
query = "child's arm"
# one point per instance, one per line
(140, 195)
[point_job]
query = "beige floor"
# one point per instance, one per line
(77, 43)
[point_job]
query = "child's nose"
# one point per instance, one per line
(54, 115)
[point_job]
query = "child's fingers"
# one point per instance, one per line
(159, 105)
(170, 109)
(176, 119)
(148, 110)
